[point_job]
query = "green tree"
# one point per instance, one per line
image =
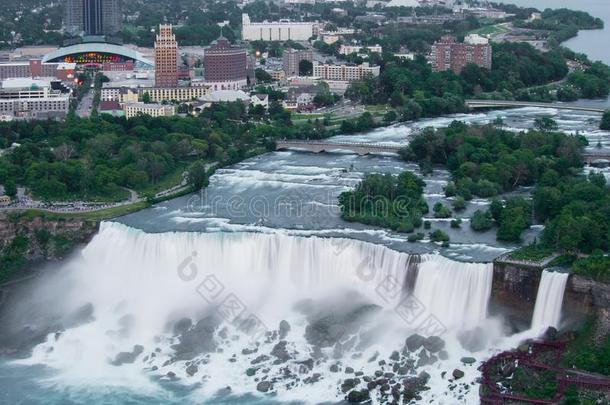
(545, 124)
(605, 123)
(305, 68)
(197, 175)
(10, 188)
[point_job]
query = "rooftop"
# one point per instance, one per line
(24, 83)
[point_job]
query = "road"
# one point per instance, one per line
(84, 107)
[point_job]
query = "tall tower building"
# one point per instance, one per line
(166, 58)
(73, 19)
(111, 17)
(92, 17)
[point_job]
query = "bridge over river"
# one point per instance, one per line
(504, 103)
(361, 148)
(321, 146)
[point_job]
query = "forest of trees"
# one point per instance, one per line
(488, 161)
(95, 158)
(386, 200)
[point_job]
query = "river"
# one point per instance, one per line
(135, 316)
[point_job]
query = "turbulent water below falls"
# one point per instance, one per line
(258, 285)
(218, 317)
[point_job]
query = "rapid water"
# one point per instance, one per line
(133, 318)
(547, 311)
(185, 315)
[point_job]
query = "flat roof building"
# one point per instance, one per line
(35, 68)
(154, 110)
(348, 73)
(37, 99)
(276, 31)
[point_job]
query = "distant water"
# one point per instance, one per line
(593, 43)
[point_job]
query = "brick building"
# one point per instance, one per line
(448, 54)
(225, 66)
(166, 58)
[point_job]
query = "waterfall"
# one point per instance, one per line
(457, 293)
(547, 311)
(142, 286)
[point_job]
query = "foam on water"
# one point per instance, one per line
(140, 285)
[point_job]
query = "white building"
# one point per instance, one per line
(349, 49)
(475, 39)
(311, 2)
(154, 110)
(347, 73)
(276, 31)
(28, 98)
(260, 99)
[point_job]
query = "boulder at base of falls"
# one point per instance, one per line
(197, 339)
(425, 359)
(250, 371)
(260, 359)
(263, 386)
(191, 370)
(550, 334)
(468, 360)
(328, 327)
(348, 384)
(182, 326)
(457, 374)
(284, 329)
(280, 351)
(358, 396)
(414, 342)
(127, 357)
(434, 344)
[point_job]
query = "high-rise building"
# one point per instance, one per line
(292, 58)
(346, 73)
(92, 17)
(225, 66)
(166, 58)
(74, 17)
(447, 54)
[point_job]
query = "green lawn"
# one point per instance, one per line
(534, 253)
(490, 30)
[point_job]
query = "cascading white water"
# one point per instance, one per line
(457, 293)
(140, 285)
(547, 311)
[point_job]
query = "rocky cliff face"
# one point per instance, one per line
(43, 238)
(514, 295)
